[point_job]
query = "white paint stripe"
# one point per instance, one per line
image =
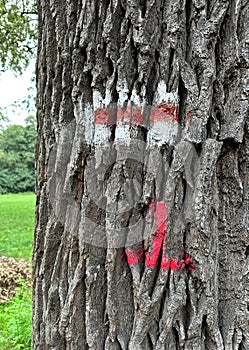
(122, 132)
(102, 134)
(163, 132)
(162, 96)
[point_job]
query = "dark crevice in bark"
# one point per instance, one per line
(176, 336)
(241, 346)
(142, 133)
(113, 132)
(95, 213)
(157, 55)
(209, 127)
(114, 92)
(78, 178)
(229, 145)
(97, 19)
(150, 86)
(219, 117)
(170, 70)
(110, 66)
(182, 91)
(135, 73)
(150, 343)
(208, 8)
(198, 148)
(163, 299)
(184, 190)
(143, 7)
(204, 330)
(247, 252)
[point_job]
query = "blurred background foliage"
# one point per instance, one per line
(18, 33)
(17, 170)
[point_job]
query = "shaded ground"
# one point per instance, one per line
(11, 273)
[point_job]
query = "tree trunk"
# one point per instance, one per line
(141, 238)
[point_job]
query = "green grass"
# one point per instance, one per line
(16, 321)
(17, 225)
(16, 237)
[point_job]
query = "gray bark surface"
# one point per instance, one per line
(87, 296)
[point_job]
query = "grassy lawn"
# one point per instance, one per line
(16, 225)
(16, 321)
(16, 237)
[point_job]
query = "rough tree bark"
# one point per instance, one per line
(186, 284)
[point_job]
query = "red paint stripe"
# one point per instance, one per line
(188, 117)
(104, 116)
(151, 258)
(187, 261)
(163, 112)
(173, 264)
(133, 115)
(134, 254)
(160, 212)
(165, 263)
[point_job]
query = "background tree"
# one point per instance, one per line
(17, 164)
(18, 33)
(108, 72)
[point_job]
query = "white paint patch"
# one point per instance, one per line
(108, 97)
(162, 96)
(89, 122)
(84, 117)
(163, 132)
(102, 134)
(99, 102)
(135, 98)
(122, 132)
(122, 89)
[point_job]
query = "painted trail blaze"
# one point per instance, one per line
(163, 124)
(160, 212)
(151, 258)
(133, 115)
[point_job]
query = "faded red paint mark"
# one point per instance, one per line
(187, 262)
(163, 112)
(188, 117)
(104, 116)
(133, 115)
